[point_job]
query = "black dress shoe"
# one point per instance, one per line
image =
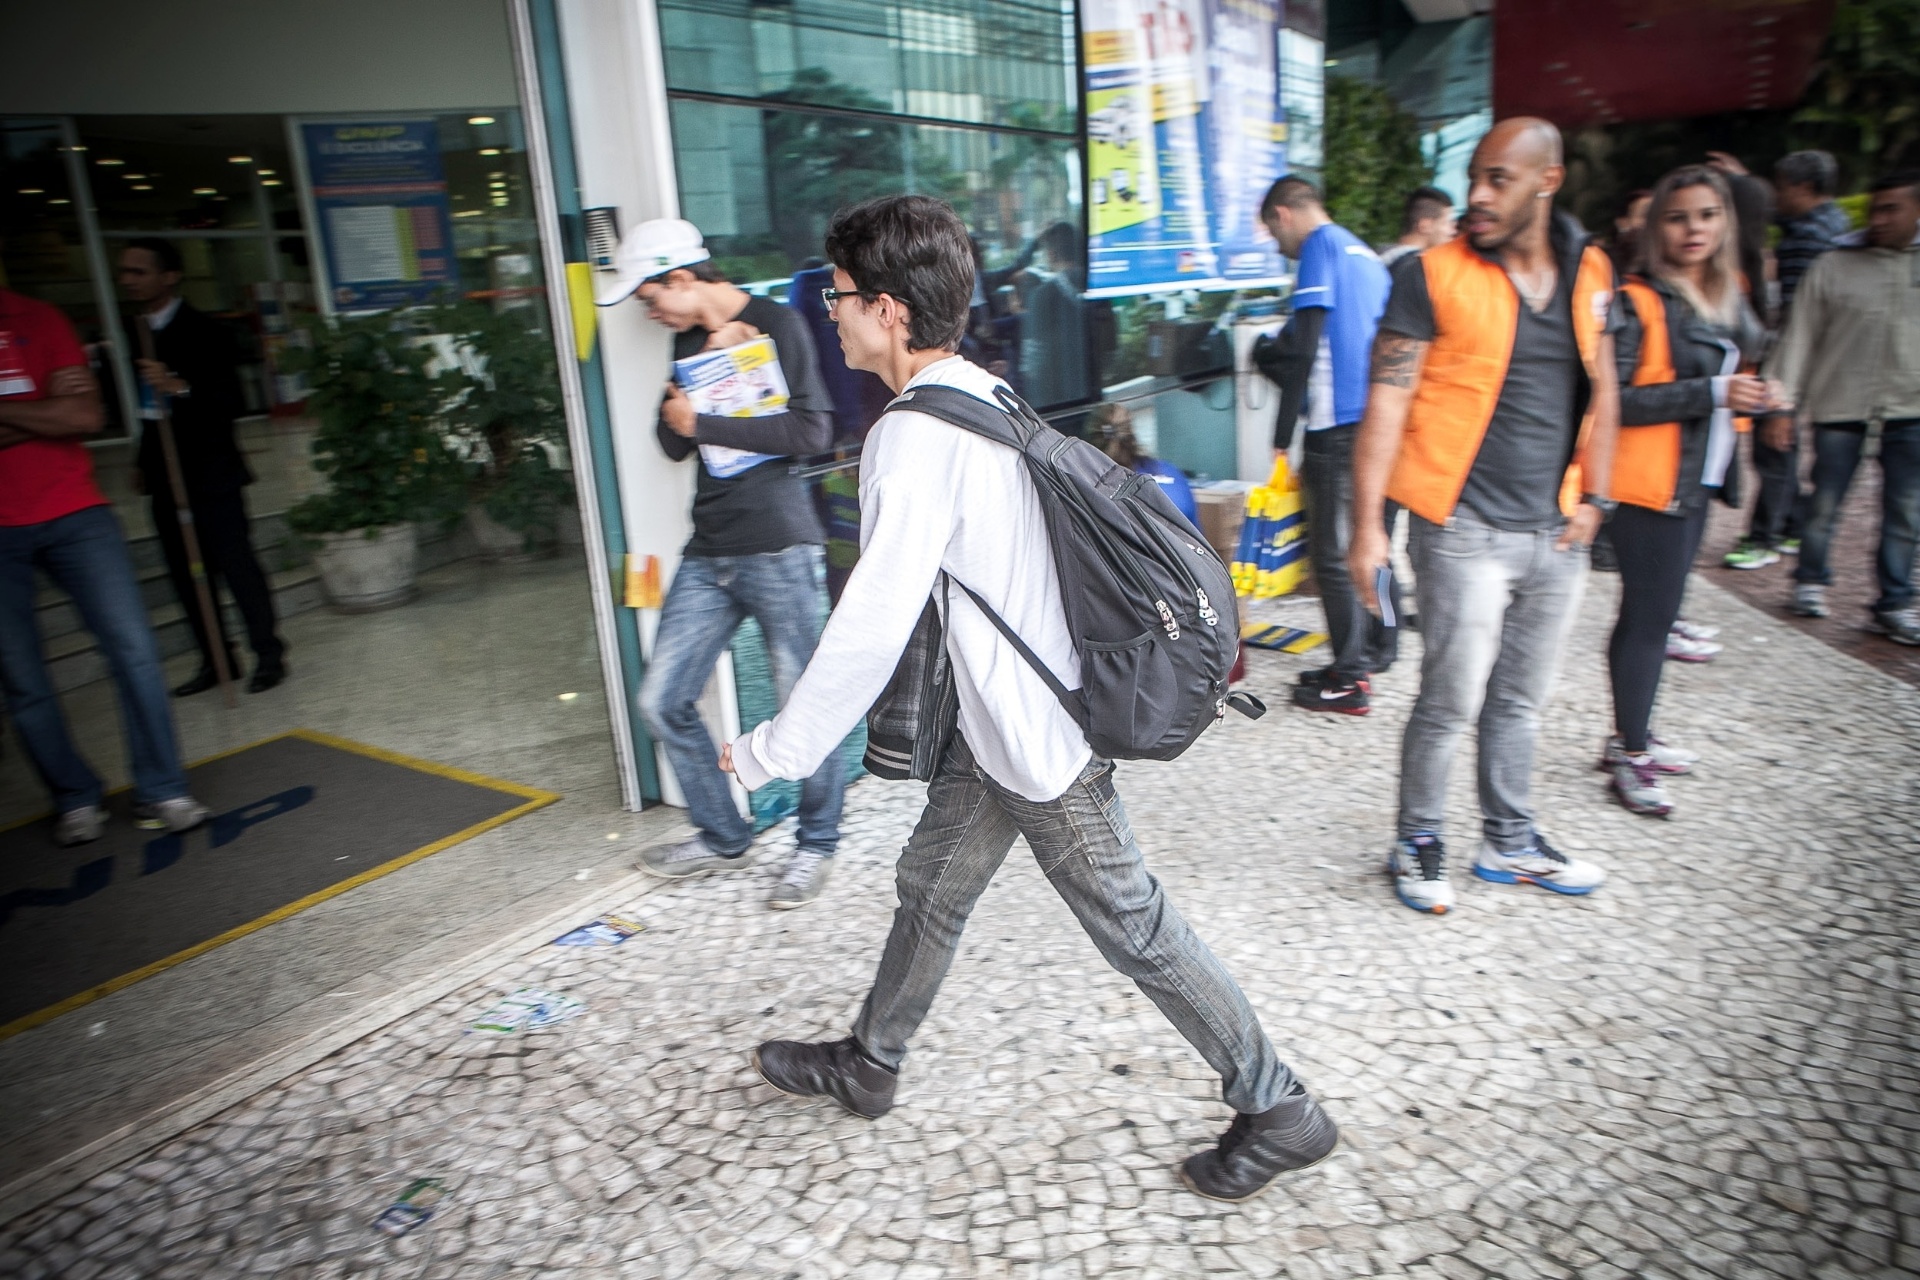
(265, 676)
(202, 682)
(830, 1069)
(1256, 1149)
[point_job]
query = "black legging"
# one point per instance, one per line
(1655, 553)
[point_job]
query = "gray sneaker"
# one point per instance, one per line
(690, 857)
(1809, 600)
(1902, 626)
(182, 813)
(806, 877)
(79, 826)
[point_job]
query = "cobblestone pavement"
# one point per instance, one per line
(1706, 1069)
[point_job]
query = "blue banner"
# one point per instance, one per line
(380, 196)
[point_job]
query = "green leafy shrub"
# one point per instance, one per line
(1373, 159)
(379, 445)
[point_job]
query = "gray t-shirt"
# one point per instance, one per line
(1515, 480)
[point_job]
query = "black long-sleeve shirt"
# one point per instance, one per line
(765, 508)
(1288, 361)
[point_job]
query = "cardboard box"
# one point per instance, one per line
(1222, 512)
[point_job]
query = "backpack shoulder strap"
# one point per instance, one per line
(997, 422)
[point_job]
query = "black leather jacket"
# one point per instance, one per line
(1688, 399)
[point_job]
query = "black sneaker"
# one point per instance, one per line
(834, 1069)
(1256, 1149)
(1314, 675)
(1347, 697)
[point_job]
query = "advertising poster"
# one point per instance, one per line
(1245, 135)
(1183, 120)
(1146, 72)
(380, 197)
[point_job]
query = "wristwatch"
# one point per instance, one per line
(1605, 506)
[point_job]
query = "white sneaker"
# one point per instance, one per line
(1694, 630)
(1667, 758)
(79, 826)
(689, 857)
(1538, 864)
(1418, 866)
(1809, 600)
(1637, 785)
(182, 813)
(1681, 649)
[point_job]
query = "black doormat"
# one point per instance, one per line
(297, 819)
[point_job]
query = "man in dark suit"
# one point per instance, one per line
(193, 373)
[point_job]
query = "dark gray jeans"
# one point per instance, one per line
(1495, 610)
(1357, 639)
(1086, 848)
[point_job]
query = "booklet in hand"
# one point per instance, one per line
(735, 382)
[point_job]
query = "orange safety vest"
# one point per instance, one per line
(1646, 464)
(1476, 311)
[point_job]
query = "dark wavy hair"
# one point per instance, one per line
(914, 248)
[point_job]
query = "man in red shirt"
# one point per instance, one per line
(54, 518)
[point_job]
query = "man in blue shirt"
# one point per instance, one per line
(1320, 362)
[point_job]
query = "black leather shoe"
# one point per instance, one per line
(205, 680)
(830, 1069)
(265, 676)
(1256, 1149)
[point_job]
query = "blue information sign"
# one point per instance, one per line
(380, 196)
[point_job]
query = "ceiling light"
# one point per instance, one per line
(479, 119)
(266, 173)
(239, 159)
(205, 191)
(78, 146)
(59, 200)
(271, 182)
(498, 173)
(108, 163)
(134, 177)
(33, 191)
(141, 186)
(468, 213)
(489, 151)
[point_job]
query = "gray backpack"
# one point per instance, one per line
(1149, 605)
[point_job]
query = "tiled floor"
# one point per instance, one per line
(1705, 1069)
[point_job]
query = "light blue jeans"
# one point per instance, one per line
(86, 556)
(785, 592)
(1085, 846)
(1495, 610)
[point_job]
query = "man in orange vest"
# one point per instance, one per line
(1492, 417)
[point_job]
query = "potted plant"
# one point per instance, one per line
(381, 451)
(510, 429)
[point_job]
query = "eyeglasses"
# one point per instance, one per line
(831, 296)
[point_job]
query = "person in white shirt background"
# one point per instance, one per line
(937, 500)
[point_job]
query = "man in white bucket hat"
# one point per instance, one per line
(755, 551)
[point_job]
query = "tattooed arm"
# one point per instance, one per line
(1396, 371)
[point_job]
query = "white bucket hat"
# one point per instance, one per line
(650, 249)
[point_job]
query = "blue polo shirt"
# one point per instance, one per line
(1340, 273)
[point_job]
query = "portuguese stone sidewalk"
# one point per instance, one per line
(1706, 1069)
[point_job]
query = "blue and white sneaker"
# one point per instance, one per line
(1538, 864)
(1418, 866)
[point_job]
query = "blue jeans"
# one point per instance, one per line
(710, 597)
(86, 556)
(1086, 849)
(1837, 447)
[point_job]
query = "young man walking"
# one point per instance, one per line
(1492, 418)
(1850, 357)
(755, 552)
(941, 506)
(1319, 361)
(55, 520)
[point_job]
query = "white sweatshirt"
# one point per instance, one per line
(934, 496)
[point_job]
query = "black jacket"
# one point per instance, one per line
(1688, 399)
(201, 352)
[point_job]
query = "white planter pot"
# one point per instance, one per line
(495, 541)
(363, 573)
